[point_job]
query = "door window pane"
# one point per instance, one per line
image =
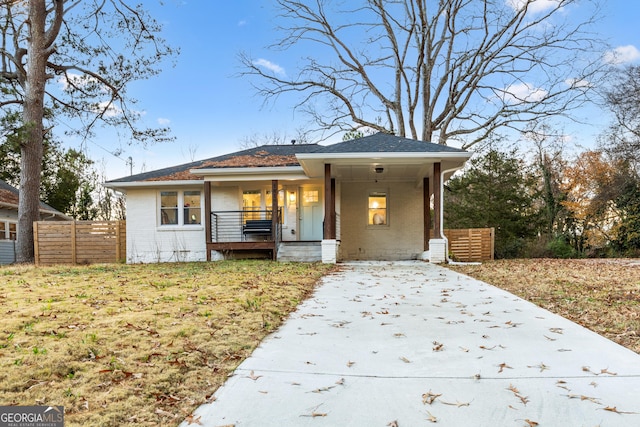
(310, 196)
(252, 203)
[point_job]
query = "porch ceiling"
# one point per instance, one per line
(406, 167)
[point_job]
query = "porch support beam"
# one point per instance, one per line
(329, 231)
(207, 216)
(426, 203)
(437, 197)
(274, 214)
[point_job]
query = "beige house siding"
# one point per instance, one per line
(401, 239)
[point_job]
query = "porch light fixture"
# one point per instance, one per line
(379, 169)
(292, 197)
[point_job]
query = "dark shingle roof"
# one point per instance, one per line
(387, 143)
(285, 155)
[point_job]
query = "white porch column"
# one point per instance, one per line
(329, 251)
(438, 244)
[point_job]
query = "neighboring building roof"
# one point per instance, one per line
(9, 197)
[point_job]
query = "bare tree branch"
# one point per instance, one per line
(453, 69)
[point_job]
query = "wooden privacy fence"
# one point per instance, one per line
(471, 244)
(79, 242)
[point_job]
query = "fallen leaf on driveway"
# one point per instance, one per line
(193, 420)
(458, 404)
(429, 398)
(253, 376)
(503, 366)
(614, 409)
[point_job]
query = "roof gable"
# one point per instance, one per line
(387, 143)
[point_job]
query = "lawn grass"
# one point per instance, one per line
(137, 344)
(600, 294)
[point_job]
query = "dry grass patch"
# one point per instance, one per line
(137, 344)
(600, 294)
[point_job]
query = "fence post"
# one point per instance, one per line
(36, 244)
(73, 242)
(493, 241)
(117, 241)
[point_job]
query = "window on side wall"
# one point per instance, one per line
(170, 203)
(377, 212)
(8, 230)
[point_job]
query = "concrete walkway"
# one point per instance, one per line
(410, 343)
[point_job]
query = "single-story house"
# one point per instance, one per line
(9, 220)
(364, 199)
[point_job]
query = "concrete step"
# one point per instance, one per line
(300, 251)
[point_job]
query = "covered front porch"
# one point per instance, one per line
(236, 232)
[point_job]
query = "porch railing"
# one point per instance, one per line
(236, 226)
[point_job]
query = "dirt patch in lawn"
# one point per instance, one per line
(600, 294)
(137, 344)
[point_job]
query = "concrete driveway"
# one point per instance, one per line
(411, 343)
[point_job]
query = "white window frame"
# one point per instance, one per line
(372, 193)
(181, 218)
(6, 233)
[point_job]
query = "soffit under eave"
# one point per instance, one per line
(314, 167)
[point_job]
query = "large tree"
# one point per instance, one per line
(433, 70)
(622, 96)
(73, 58)
(495, 190)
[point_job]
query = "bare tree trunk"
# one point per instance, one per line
(31, 146)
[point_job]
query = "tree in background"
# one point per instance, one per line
(64, 57)
(432, 70)
(64, 171)
(495, 190)
(623, 98)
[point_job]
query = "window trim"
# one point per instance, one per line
(7, 232)
(181, 225)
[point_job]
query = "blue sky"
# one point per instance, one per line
(210, 110)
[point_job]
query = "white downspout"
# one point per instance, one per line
(446, 241)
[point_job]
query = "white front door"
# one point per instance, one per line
(311, 215)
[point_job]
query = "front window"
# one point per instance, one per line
(192, 212)
(171, 214)
(169, 207)
(377, 213)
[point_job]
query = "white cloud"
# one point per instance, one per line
(78, 80)
(270, 66)
(163, 122)
(112, 110)
(622, 55)
(577, 83)
(535, 6)
(522, 92)
(242, 23)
